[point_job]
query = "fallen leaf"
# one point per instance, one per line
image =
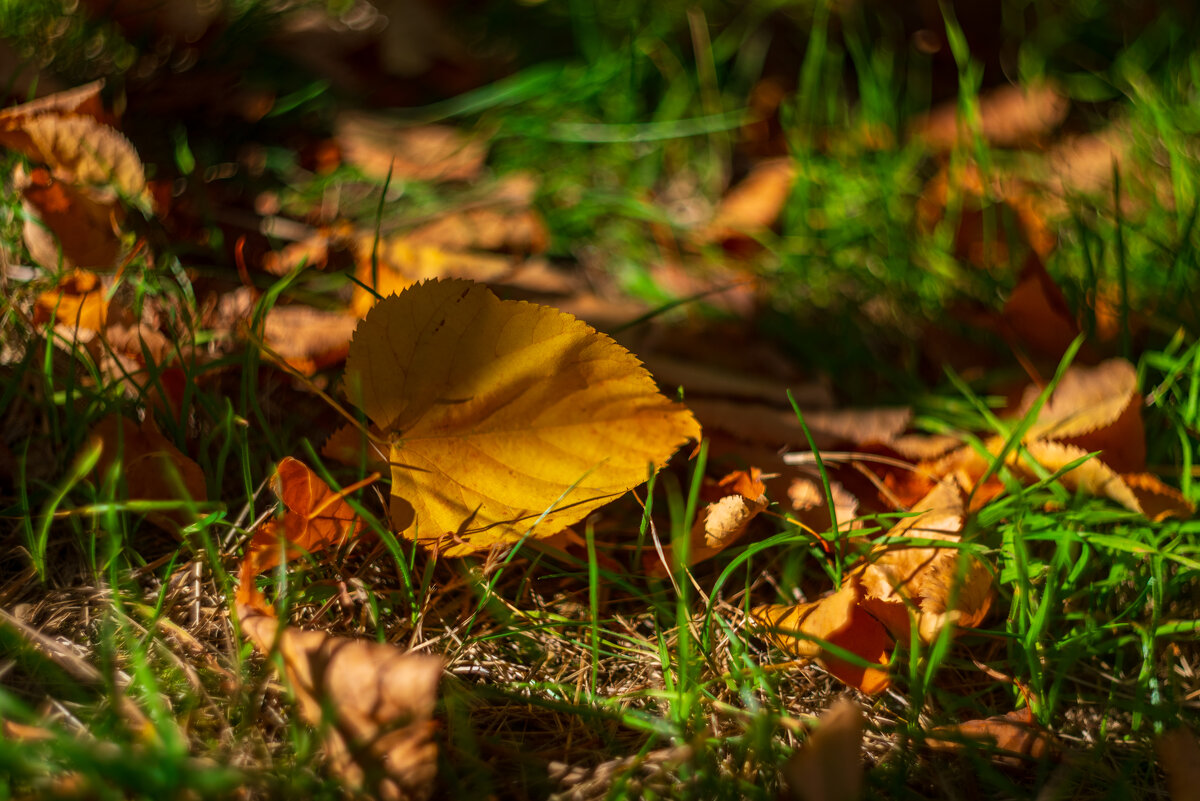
(838, 619)
(502, 220)
(1092, 477)
(152, 468)
(378, 146)
(503, 415)
(830, 429)
(84, 151)
(1015, 735)
(1097, 409)
(940, 585)
(1156, 500)
(1083, 165)
(828, 766)
(79, 100)
(1035, 315)
(78, 303)
(394, 264)
(316, 519)
(372, 703)
(753, 205)
(807, 497)
(722, 522)
(66, 227)
(308, 339)
(1009, 116)
(1179, 757)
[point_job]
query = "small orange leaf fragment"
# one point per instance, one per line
(316, 519)
(723, 521)
(753, 205)
(1156, 499)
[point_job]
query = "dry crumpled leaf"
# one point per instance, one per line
(1179, 757)
(838, 619)
(424, 153)
(899, 586)
(85, 151)
(1097, 409)
(78, 303)
(740, 496)
(79, 100)
(808, 501)
(503, 415)
(373, 703)
(1009, 116)
(929, 579)
(152, 467)
(66, 226)
(828, 766)
(68, 134)
(1014, 734)
(317, 518)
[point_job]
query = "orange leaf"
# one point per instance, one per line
(393, 264)
(722, 522)
(78, 303)
(840, 620)
(372, 702)
(929, 579)
(152, 467)
(1096, 409)
(1014, 734)
(828, 767)
(316, 519)
(1156, 499)
(753, 205)
(67, 226)
(1010, 116)
(308, 339)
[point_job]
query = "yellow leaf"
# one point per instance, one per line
(499, 412)
(78, 303)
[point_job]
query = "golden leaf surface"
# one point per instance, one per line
(500, 412)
